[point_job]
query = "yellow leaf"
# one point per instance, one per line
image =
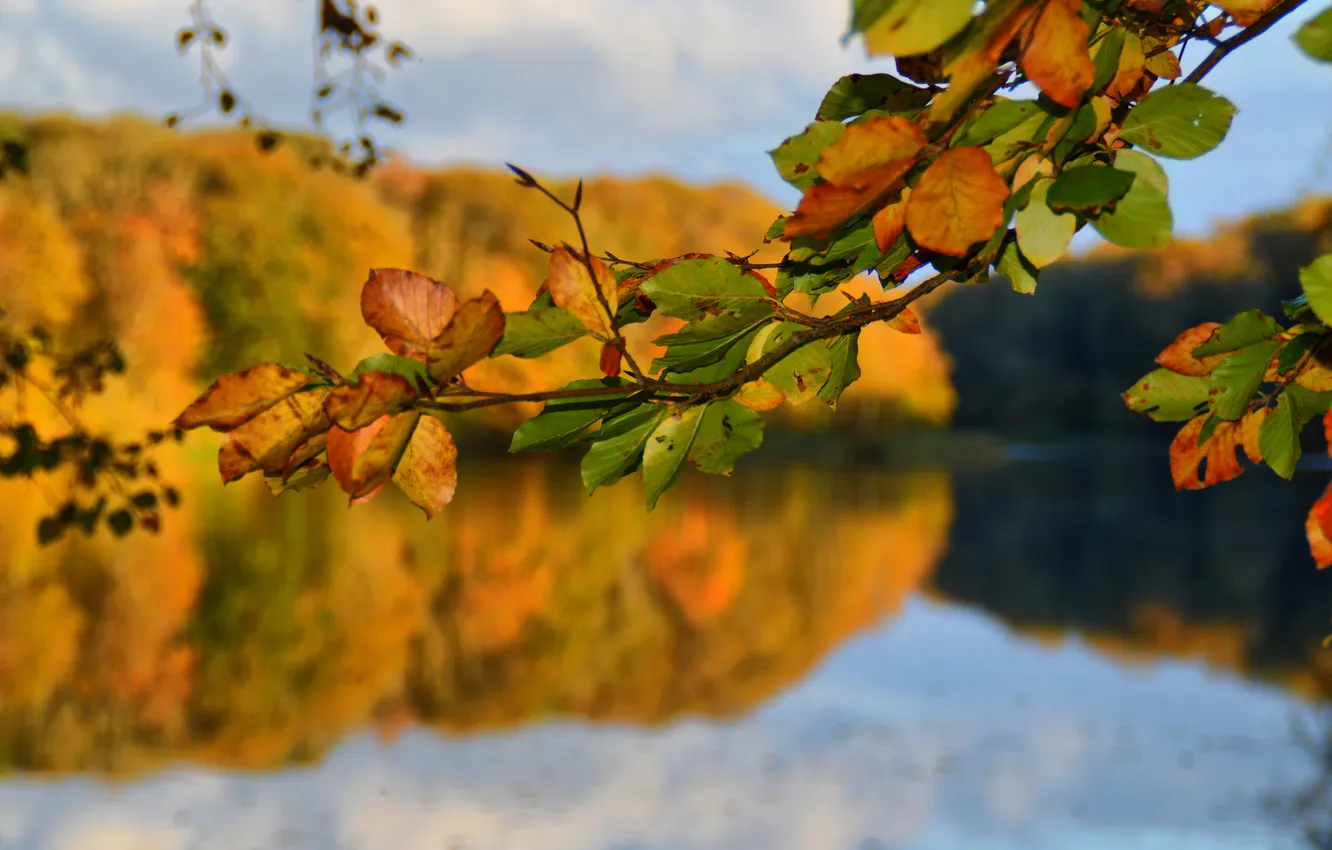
(234, 399)
(271, 438)
(356, 405)
(1246, 12)
(233, 461)
(958, 202)
(1132, 62)
(1030, 168)
(428, 471)
(905, 321)
(1056, 58)
(470, 336)
(889, 223)
(759, 395)
(407, 309)
(572, 287)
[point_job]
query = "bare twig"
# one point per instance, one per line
(1249, 33)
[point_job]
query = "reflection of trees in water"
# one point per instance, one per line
(1109, 550)
(529, 600)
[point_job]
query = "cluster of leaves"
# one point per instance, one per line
(108, 482)
(898, 173)
(342, 29)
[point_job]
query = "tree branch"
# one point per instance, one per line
(1249, 33)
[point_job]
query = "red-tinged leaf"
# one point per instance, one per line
(233, 462)
(353, 406)
(889, 223)
(272, 437)
(867, 161)
(1327, 430)
(610, 360)
(860, 156)
(363, 460)
(470, 336)
(958, 202)
(407, 309)
(1178, 355)
(1316, 529)
(428, 471)
(572, 287)
(759, 395)
(904, 270)
(1218, 450)
(1057, 59)
(905, 322)
(767, 284)
(235, 399)
(1246, 12)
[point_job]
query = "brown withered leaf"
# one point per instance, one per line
(1178, 355)
(472, 333)
(759, 395)
(905, 322)
(865, 163)
(958, 202)
(572, 288)
(375, 394)
(1218, 450)
(365, 459)
(1056, 58)
(305, 453)
(889, 223)
(428, 471)
(235, 399)
(233, 462)
(610, 360)
(273, 436)
(1318, 529)
(407, 309)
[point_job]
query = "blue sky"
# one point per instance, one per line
(696, 88)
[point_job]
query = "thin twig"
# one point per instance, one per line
(1241, 38)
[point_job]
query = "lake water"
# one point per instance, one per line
(1042, 654)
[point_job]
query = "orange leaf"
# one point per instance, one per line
(470, 335)
(428, 471)
(572, 288)
(353, 406)
(993, 31)
(958, 202)
(1316, 526)
(1030, 168)
(610, 360)
(861, 155)
(1178, 355)
(759, 395)
(1132, 63)
(889, 223)
(861, 166)
(1327, 430)
(407, 309)
(235, 399)
(1246, 12)
(1250, 429)
(905, 321)
(233, 461)
(271, 438)
(362, 461)
(1218, 450)
(1056, 58)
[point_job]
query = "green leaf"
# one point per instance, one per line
(802, 373)
(1279, 438)
(996, 120)
(909, 27)
(1090, 189)
(413, 370)
(1181, 121)
(1236, 378)
(1167, 396)
(618, 446)
(775, 230)
(1020, 273)
(845, 351)
(538, 331)
(1141, 219)
(1106, 60)
(1042, 234)
(796, 157)
(857, 93)
(698, 345)
(1293, 351)
(1315, 36)
(1316, 281)
(562, 421)
(728, 431)
(1084, 124)
(1243, 330)
(706, 287)
(1297, 309)
(666, 451)
(1308, 404)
